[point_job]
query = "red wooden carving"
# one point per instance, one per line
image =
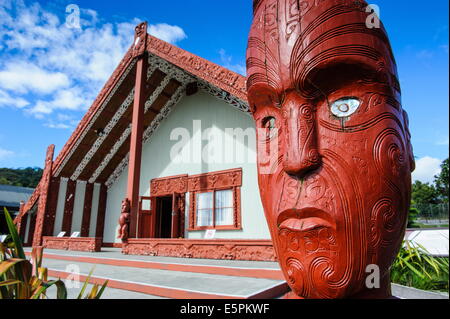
(103, 196)
(68, 207)
(137, 127)
(215, 180)
(21, 221)
(44, 188)
(140, 39)
(227, 179)
(168, 185)
(124, 220)
(87, 209)
(334, 152)
(221, 77)
(50, 211)
(257, 250)
(77, 244)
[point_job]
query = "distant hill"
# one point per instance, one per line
(25, 177)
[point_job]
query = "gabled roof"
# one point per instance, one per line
(90, 157)
(11, 196)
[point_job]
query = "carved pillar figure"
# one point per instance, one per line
(124, 220)
(137, 125)
(334, 152)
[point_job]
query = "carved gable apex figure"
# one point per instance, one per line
(334, 152)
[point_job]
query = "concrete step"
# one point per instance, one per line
(109, 293)
(168, 277)
(225, 267)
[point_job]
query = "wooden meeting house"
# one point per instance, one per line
(123, 147)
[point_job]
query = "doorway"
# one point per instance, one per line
(163, 217)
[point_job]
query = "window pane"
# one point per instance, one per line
(204, 200)
(224, 216)
(224, 198)
(204, 217)
(204, 209)
(224, 207)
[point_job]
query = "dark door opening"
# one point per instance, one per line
(164, 217)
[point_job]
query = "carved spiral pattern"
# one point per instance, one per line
(295, 271)
(321, 277)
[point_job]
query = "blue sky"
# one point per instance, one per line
(50, 74)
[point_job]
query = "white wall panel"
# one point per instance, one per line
(191, 117)
(78, 206)
(60, 207)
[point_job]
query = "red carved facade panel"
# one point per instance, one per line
(76, 244)
(221, 180)
(21, 221)
(42, 203)
(256, 250)
(87, 208)
(101, 211)
(50, 214)
(32, 220)
(215, 180)
(168, 185)
(68, 207)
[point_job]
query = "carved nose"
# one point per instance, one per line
(301, 153)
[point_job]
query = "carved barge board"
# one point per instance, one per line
(42, 203)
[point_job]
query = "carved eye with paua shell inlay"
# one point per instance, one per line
(345, 107)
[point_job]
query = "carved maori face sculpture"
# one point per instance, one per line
(334, 152)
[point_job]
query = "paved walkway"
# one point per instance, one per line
(115, 253)
(140, 277)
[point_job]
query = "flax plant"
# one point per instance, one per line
(21, 278)
(415, 267)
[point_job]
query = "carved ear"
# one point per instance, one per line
(409, 147)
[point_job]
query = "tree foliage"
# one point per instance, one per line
(441, 182)
(25, 177)
(424, 193)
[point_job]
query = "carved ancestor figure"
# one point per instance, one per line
(334, 152)
(124, 220)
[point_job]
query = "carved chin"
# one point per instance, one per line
(309, 261)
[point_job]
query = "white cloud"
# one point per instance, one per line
(23, 77)
(7, 100)
(227, 63)
(5, 153)
(58, 125)
(169, 33)
(426, 168)
(56, 67)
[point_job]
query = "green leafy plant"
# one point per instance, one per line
(21, 278)
(412, 216)
(415, 267)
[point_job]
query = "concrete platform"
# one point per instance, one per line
(115, 253)
(109, 293)
(137, 277)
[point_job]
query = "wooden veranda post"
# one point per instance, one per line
(134, 167)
